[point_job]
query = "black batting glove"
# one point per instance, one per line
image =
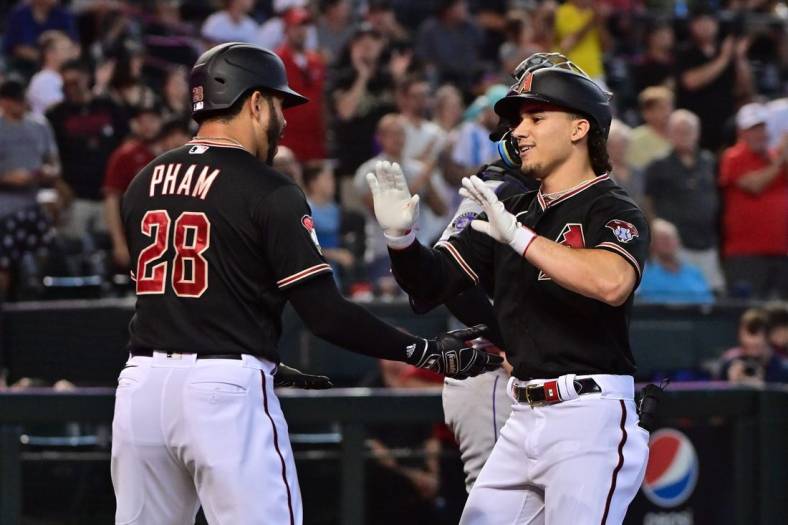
(448, 354)
(287, 376)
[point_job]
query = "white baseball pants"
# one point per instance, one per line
(577, 462)
(210, 431)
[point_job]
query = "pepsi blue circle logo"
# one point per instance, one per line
(672, 470)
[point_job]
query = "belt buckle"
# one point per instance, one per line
(528, 390)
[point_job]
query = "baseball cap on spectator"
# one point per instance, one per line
(296, 16)
(751, 115)
(13, 89)
(493, 94)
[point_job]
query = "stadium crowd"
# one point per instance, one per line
(92, 90)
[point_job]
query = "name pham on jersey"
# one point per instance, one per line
(194, 181)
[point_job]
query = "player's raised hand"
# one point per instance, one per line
(395, 209)
(287, 376)
(448, 354)
(500, 224)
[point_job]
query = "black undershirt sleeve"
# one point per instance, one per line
(330, 316)
(472, 307)
(427, 275)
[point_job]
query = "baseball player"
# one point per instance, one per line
(563, 263)
(476, 409)
(219, 242)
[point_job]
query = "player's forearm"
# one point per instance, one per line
(423, 273)
(594, 273)
(349, 325)
(472, 307)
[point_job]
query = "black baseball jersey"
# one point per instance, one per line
(548, 330)
(215, 238)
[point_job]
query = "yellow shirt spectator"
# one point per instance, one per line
(587, 53)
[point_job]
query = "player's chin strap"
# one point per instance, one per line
(508, 151)
(648, 405)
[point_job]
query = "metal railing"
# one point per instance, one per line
(759, 420)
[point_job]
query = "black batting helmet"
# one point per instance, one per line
(553, 79)
(225, 72)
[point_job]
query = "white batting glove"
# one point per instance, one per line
(500, 225)
(395, 209)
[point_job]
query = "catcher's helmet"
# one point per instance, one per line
(225, 72)
(551, 78)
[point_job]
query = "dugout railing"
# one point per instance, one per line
(756, 421)
(84, 340)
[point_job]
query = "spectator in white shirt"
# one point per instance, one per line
(232, 24)
(46, 86)
(424, 141)
(391, 137)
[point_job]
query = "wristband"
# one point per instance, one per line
(400, 242)
(410, 352)
(523, 237)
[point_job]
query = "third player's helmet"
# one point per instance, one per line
(226, 72)
(553, 79)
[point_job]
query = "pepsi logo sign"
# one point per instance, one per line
(672, 470)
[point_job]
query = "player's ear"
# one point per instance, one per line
(256, 104)
(580, 128)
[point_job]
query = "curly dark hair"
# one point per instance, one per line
(597, 145)
(597, 151)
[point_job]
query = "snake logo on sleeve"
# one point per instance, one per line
(623, 230)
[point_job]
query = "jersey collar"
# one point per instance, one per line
(571, 193)
(214, 144)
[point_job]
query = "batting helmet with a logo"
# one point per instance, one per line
(226, 72)
(551, 78)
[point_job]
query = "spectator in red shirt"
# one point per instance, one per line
(150, 138)
(755, 223)
(306, 70)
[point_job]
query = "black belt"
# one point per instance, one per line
(548, 394)
(148, 352)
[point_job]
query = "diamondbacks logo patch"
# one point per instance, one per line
(623, 230)
(571, 235)
(309, 225)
